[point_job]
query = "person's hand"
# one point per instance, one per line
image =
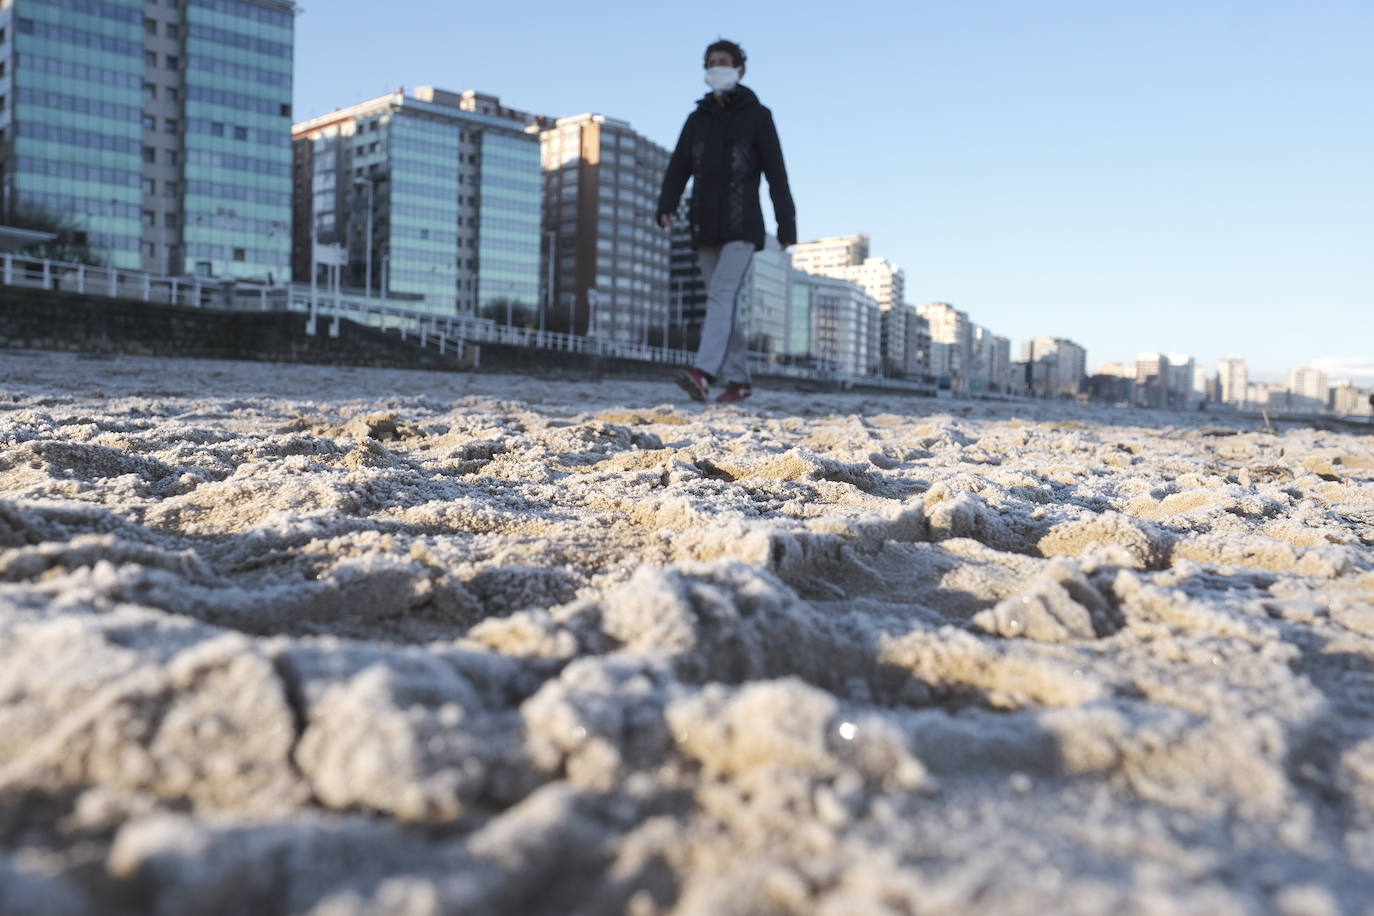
(665, 220)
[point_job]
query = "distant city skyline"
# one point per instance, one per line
(1178, 177)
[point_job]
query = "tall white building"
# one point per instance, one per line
(1180, 379)
(1235, 379)
(844, 324)
(951, 343)
(991, 362)
(1349, 400)
(823, 255)
(848, 258)
(1057, 365)
(1151, 379)
(1307, 389)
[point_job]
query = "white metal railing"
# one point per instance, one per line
(458, 334)
(119, 283)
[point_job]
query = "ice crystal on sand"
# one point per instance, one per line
(290, 639)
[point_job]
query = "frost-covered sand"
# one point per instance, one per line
(283, 639)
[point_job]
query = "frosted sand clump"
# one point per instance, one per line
(347, 641)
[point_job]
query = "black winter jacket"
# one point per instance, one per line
(724, 148)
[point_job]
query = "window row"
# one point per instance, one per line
(78, 37)
(238, 100)
(240, 40)
(113, 11)
(244, 72)
(79, 105)
(280, 138)
(76, 171)
(53, 66)
(240, 193)
(71, 136)
(86, 206)
(238, 163)
(252, 11)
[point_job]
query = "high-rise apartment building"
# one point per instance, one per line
(1057, 366)
(1349, 400)
(847, 258)
(824, 255)
(686, 285)
(161, 129)
(844, 325)
(1235, 379)
(1308, 389)
(776, 318)
(435, 202)
(796, 346)
(1151, 379)
(610, 268)
(991, 362)
(1181, 379)
(951, 343)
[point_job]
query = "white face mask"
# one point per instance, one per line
(722, 79)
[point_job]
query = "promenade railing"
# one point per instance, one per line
(323, 309)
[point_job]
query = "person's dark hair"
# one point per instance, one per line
(735, 51)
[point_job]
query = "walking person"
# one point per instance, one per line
(726, 144)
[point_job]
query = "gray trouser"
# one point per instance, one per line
(724, 351)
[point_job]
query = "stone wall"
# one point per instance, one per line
(48, 320)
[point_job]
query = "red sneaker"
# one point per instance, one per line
(734, 392)
(696, 383)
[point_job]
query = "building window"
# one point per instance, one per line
(240, 133)
(150, 26)
(149, 154)
(285, 110)
(171, 156)
(240, 254)
(216, 129)
(149, 218)
(149, 250)
(150, 58)
(170, 220)
(171, 95)
(173, 62)
(26, 26)
(173, 30)
(149, 91)
(149, 186)
(169, 189)
(170, 125)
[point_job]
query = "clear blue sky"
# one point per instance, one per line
(1136, 175)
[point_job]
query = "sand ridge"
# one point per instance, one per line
(322, 640)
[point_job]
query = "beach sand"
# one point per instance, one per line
(290, 639)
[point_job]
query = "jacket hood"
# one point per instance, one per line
(739, 97)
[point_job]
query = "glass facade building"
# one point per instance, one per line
(160, 129)
(72, 119)
(508, 246)
(436, 202)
